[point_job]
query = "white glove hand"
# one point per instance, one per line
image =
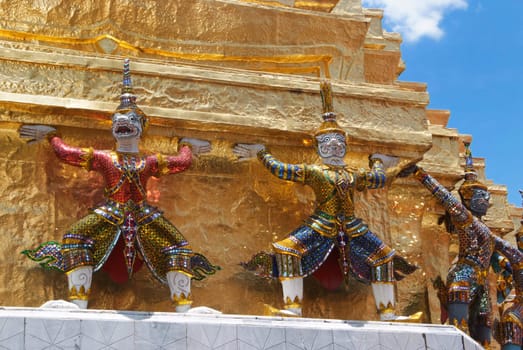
(246, 151)
(198, 146)
(388, 161)
(35, 133)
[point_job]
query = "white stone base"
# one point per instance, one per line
(28, 328)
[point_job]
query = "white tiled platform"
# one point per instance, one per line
(28, 328)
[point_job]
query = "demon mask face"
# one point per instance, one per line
(479, 202)
(127, 125)
(332, 148)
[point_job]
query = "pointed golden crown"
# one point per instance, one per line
(471, 176)
(329, 124)
(127, 98)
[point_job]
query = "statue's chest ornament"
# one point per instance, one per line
(341, 180)
(130, 168)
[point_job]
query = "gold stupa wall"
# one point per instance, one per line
(225, 71)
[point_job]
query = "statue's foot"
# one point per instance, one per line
(82, 304)
(414, 318)
(182, 308)
(203, 310)
(272, 311)
(182, 302)
(59, 304)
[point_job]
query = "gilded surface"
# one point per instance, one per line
(199, 77)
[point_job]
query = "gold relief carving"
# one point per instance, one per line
(324, 6)
(268, 3)
(374, 46)
(320, 62)
(26, 36)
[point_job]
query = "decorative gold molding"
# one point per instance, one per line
(267, 3)
(322, 6)
(319, 61)
(374, 46)
(310, 5)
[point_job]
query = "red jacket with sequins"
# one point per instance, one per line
(125, 175)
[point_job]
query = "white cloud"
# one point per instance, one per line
(415, 19)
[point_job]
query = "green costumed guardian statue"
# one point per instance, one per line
(332, 232)
(123, 232)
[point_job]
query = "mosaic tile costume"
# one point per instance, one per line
(332, 238)
(466, 293)
(124, 231)
(510, 327)
(333, 224)
(511, 323)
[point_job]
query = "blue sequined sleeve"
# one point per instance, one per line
(375, 178)
(513, 254)
(284, 171)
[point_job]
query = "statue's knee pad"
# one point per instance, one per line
(459, 292)
(178, 259)
(382, 273)
(511, 326)
(77, 251)
(289, 266)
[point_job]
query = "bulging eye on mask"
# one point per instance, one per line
(324, 138)
(480, 201)
(126, 125)
(331, 145)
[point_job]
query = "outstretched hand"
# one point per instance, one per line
(388, 161)
(198, 146)
(35, 133)
(246, 151)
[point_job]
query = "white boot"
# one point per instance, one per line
(79, 281)
(180, 287)
(385, 301)
(386, 304)
(292, 294)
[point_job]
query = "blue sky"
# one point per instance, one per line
(470, 54)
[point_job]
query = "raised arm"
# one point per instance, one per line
(512, 253)
(284, 171)
(175, 163)
(458, 212)
(188, 148)
(76, 156)
(515, 257)
(376, 177)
